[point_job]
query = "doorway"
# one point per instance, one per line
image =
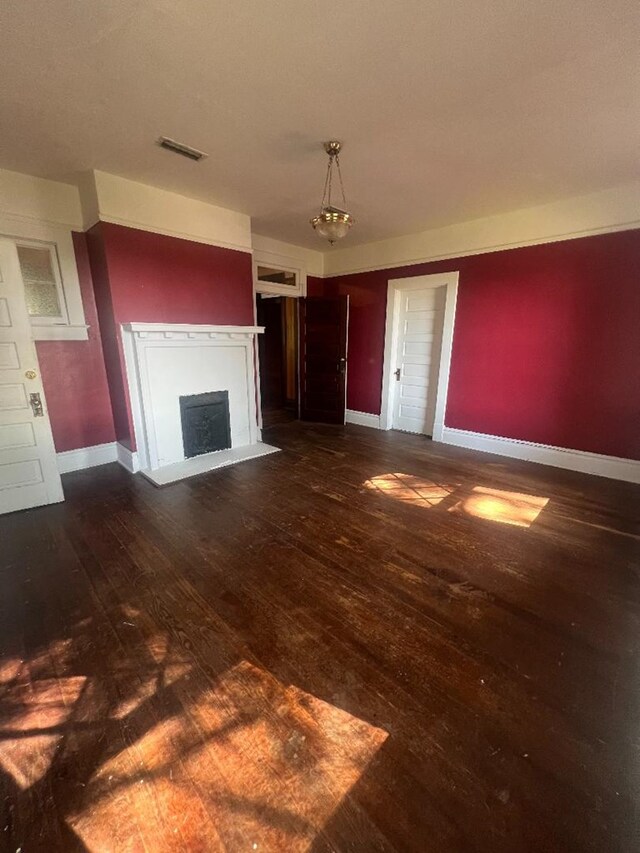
(278, 350)
(418, 343)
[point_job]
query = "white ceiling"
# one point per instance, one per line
(449, 109)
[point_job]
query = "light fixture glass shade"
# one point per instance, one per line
(332, 223)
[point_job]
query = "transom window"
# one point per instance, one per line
(271, 275)
(278, 276)
(42, 283)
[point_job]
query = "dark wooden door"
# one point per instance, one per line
(271, 349)
(323, 358)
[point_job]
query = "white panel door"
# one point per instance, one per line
(28, 468)
(420, 322)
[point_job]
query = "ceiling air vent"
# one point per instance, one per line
(179, 148)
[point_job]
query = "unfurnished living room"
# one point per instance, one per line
(320, 426)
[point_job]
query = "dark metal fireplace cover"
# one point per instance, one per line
(206, 424)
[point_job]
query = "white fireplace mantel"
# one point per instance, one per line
(187, 331)
(167, 360)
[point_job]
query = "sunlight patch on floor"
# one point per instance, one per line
(168, 757)
(249, 761)
(30, 720)
(513, 508)
(410, 489)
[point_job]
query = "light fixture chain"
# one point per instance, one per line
(327, 184)
(344, 200)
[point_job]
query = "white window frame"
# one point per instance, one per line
(71, 326)
(61, 319)
(279, 262)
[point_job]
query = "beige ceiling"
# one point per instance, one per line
(448, 109)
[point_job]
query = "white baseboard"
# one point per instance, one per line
(363, 419)
(86, 457)
(128, 458)
(559, 457)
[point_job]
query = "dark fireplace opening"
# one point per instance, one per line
(206, 425)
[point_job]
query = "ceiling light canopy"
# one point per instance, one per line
(332, 222)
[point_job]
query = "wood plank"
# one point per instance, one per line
(365, 642)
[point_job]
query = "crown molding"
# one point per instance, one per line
(612, 210)
(120, 201)
(169, 232)
(15, 222)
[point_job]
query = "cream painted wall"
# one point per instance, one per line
(114, 199)
(123, 202)
(611, 210)
(39, 199)
(312, 260)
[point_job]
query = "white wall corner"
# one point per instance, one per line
(362, 419)
(86, 457)
(615, 209)
(88, 199)
(128, 458)
(130, 203)
(559, 457)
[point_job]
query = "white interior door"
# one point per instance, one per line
(28, 468)
(417, 358)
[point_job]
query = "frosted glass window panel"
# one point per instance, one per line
(40, 284)
(35, 263)
(42, 299)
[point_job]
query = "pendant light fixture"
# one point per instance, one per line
(332, 222)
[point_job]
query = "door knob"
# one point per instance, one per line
(397, 373)
(36, 405)
(30, 374)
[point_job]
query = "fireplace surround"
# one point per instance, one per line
(169, 362)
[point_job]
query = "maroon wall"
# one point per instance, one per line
(74, 376)
(151, 278)
(156, 279)
(546, 343)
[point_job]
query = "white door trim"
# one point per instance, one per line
(284, 262)
(395, 287)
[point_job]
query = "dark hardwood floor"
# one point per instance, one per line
(367, 642)
(274, 417)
